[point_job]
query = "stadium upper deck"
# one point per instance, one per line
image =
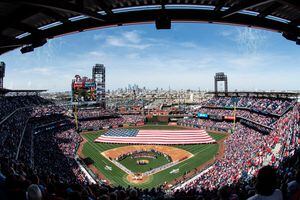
(28, 24)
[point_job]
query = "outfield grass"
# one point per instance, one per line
(202, 153)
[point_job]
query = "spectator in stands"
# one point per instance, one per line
(266, 185)
(34, 192)
(293, 188)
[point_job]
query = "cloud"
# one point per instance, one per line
(127, 39)
(189, 44)
(38, 71)
(250, 40)
(97, 54)
(226, 33)
(132, 36)
(98, 36)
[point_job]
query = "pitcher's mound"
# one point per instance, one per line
(137, 179)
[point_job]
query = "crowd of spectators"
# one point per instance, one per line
(133, 119)
(46, 110)
(94, 112)
(25, 153)
(126, 103)
(101, 123)
(43, 166)
(266, 105)
(11, 103)
(246, 151)
(258, 118)
(111, 122)
(206, 124)
(60, 159)
(11, 133)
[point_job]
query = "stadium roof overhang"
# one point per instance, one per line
(4, 91)
(30, 23)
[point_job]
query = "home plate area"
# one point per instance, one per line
(142, 161)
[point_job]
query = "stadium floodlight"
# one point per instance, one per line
(289, 36)
(27, 49)
(35, 44)
(163, 22)
(298, 41)
(39, 43)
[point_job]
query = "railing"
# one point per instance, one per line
(8, 116)
(225, 130)
(85, 167)
(20, 143)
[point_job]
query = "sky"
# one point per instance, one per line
(185, 57)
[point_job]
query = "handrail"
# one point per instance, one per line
(23, 132)
(12, 113)
(8, 116)
(254, 122)
(243, 108)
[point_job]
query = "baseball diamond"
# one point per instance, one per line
(122, 158)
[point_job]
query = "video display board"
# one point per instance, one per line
(202, 115)
(83, 89)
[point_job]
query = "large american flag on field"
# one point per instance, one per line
(134, 136)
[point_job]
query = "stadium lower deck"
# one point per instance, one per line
(264, 132)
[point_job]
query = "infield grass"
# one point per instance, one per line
(131, 163)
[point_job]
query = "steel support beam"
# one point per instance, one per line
(243, 6)
(60, 6)
(269, 9)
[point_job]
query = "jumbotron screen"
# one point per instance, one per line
(83, 89)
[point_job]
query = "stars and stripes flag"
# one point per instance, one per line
(126, 136)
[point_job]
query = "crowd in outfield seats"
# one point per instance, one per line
(133, 119)
(111, 122)
(45, 167)
(206, 123)
(258, 118)
(266, 105)
(101, 123)
(93, 113)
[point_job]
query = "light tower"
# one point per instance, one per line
(220, 76)
(99, 77)
(2, 73)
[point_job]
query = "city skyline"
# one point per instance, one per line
(186, 57)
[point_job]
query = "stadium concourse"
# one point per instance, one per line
(38, 145)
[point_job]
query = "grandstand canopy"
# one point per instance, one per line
(20, 92)
(29, 23)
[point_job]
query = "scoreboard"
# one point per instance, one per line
(83, 89)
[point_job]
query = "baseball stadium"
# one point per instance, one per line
(229, 128)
